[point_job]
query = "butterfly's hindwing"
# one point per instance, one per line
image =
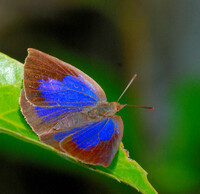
(94, 143)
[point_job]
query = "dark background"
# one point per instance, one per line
(110, 41)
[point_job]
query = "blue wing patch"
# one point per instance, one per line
(90, 135)
(70, 95)
(70, 92)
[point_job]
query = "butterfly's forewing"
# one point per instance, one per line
(50, 81)
(95, 143)
(54, 89)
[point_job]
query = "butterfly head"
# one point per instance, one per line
(116, 106)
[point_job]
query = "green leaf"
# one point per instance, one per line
(12, 122)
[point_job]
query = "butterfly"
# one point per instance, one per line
(69, 111)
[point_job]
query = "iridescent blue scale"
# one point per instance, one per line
(70, 92)
(89, 135)
(70, 95)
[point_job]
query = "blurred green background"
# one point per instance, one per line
(110, 41)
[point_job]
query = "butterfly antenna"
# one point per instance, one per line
(134, 76)
(146, 107)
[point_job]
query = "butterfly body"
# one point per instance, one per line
(91, 114)
(68, 110)
(105, 110)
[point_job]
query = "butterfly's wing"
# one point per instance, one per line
(95, 143)
(54, 89)
(50, 81)
(43, 119)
